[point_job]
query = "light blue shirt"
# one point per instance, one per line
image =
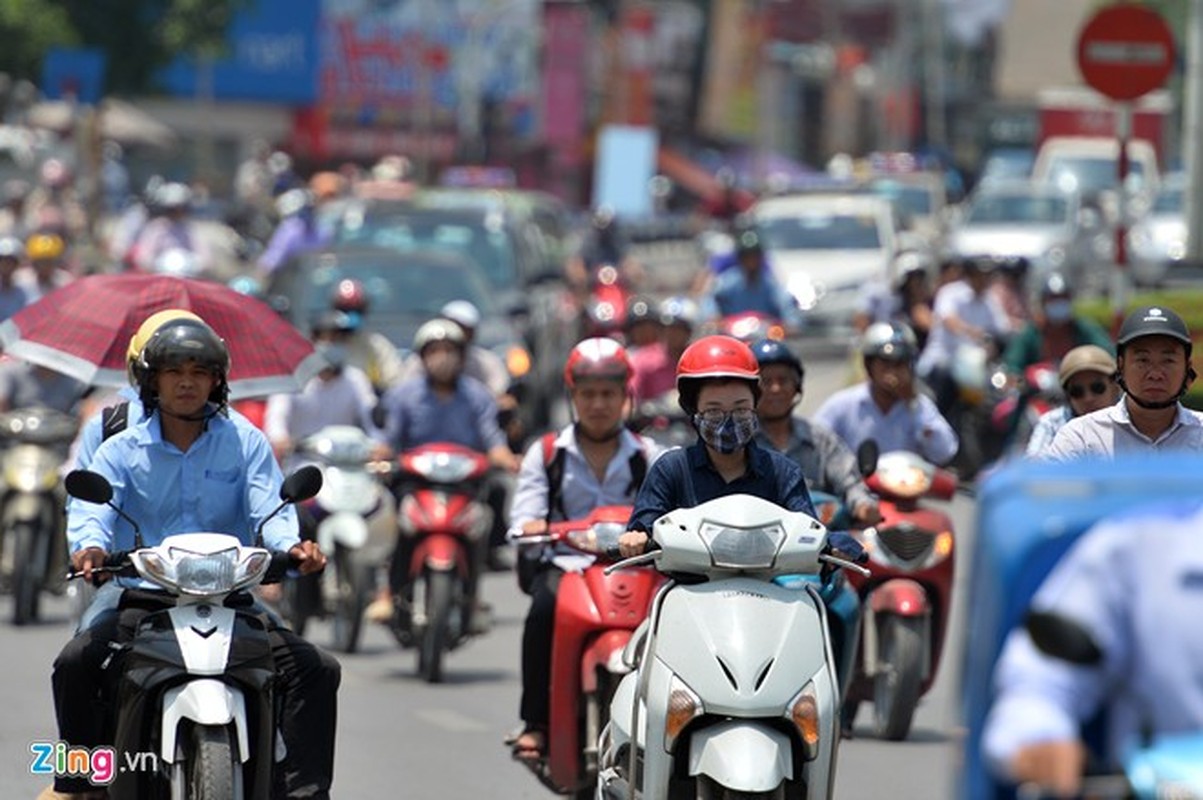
(415, 416)
(227, 482)
(916, 426)
(733, 294)
(1046, 430)
(1135, 581)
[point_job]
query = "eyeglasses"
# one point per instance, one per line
(1078, 391)
(716, 416)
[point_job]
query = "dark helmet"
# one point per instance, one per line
(179, 342)
(889, 340)
(1153, 321)
(641, 309)
(1055, 285)
(748, 241)
(350, 296)
(772, 351)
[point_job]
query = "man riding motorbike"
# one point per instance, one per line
(594, 463)
(183, 467)
(655, 366)
(1087, 377)
(1153, 351)
(370, 351)
(826, 462)
(888, 407)
(1054, 332)
(752, 287)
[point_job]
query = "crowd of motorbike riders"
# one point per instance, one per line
(927, 340)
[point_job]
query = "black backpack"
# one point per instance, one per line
(114, 419)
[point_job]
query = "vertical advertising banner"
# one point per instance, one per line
(729, 107)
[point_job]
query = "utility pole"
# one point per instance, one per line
(1193, 122)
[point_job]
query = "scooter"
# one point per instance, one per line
(980, 387)
(196, 680)
(1170, 765)
(1018, 410)
(907, 600)
(735, 693)
(751, 326)
(596, 613)
(443, 522)
(606, 306)
(356, 528)
(36, 441)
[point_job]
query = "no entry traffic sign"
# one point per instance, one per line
(1125, 51)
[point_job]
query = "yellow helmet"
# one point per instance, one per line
(43, 246)
(146, 330)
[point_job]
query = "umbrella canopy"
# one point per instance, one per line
(120, 121)
(83, 330)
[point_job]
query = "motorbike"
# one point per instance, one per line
(980, 387)
(356, 527)
(195, 686)
(443, 519)
(1019, 409)
(36, 441)
(596, 613)
(907, 600)
(751, 326)
(735, 692)
(1170, 765)
(606, 305)
(662, 420)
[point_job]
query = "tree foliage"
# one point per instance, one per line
(138, 37)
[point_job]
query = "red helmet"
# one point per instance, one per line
(598, 357)
(722, 357)
(350, 296)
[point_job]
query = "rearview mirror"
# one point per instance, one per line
(303, 484)
(866, 457)
(1061, 637)
(88, 486)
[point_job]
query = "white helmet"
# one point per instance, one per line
(438, 330)
(461, 312)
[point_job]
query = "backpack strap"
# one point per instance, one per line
(114, 419)
(553, 464)
(638, 467)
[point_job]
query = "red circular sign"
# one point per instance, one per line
(1126, 51)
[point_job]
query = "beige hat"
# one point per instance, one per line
(1088, 357)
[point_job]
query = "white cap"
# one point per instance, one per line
(462, 313)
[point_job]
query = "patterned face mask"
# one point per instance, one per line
(727, 431)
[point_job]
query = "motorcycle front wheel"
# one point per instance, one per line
(898, 680)
(27, 584)
(352, 586)
(708, 789)
(436, 637)
(212, 773)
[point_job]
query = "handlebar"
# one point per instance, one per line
(116, 563)
(278, 566)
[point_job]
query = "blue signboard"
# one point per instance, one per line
(271, 56)
(73, 72)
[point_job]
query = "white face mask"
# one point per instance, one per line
(1058, 310)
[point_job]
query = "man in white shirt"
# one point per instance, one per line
(1153, 353)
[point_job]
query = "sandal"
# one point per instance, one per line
(530, 745)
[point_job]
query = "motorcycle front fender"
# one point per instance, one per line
(741, 755)
(439, 552)
(343, 528)
(901, 596)
(204, 702)
(603, 652)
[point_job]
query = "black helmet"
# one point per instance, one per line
(641, 309)
(772, 351)
(179, 342)
(1055, 285)
(1153, 321)
(748, 241)
(892, 341)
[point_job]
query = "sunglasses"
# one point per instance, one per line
(1078, 391)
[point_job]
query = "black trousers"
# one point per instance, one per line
(308, 680)
(535, 708)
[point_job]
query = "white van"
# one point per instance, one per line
(1087, 166)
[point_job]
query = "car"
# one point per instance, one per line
(1157, 242)
(1087, 166)
(920, 199)
(1035, 221)
(825, 247)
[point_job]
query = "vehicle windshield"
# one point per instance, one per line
(398, 289)
(1170, 201)
(910, 200)
(821, 231)
(483, 241)
(1020, 208)
(1092, 174)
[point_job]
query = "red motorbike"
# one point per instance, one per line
(596, 615)
(751, 326)
(606, 308)
(443, 520)
(907, 598)
(1016, 415)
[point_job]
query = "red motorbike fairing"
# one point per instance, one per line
(900, 596)
(441, 552)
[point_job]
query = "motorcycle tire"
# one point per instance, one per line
(708, 789)
(302, 601)
(352, 584)
(212, 773)
(898, 681)
(436, 637)
(27, 587)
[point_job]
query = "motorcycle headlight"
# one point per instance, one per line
(804, 713)
(742, 548)
(205, 574)
(443, 467)
(684, 706)
(517, 362)
(28, 468)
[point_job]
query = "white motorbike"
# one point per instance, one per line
(356, 526)
(735, 694)
(196, 680)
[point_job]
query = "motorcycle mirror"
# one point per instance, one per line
(866, 457)
(88, 486)
(303, 484)
(1061, 637)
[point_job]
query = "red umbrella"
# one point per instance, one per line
(83, 330)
